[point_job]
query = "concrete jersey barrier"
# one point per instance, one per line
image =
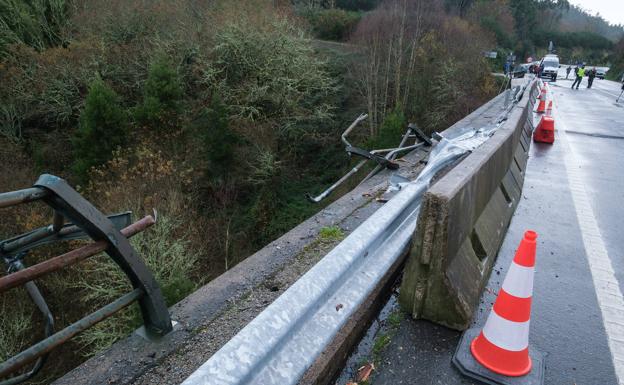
(462, 224)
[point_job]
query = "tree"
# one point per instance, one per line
(102, 129)
(391, 37)
(458, 7)
(527, 13)
(162, 94)
(218, 139)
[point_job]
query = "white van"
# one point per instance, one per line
(550, 64)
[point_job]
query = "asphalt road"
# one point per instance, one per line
(573, 196)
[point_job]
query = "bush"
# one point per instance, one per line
(218, 140)
(46, 90)
(357, 5)
(391, 131)
(162, 94)
(270, 75)
(36, 23)
(332, 24)
(103, 128)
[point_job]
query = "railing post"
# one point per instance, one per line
(81, 212)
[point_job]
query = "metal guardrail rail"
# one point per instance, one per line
(278, 346)
(110, 235)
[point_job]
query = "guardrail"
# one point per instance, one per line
(281, 343)
(110, 235)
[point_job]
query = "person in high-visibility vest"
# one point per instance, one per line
(579, 76)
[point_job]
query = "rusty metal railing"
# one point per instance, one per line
(109, 234)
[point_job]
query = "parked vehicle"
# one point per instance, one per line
(550, 67)
(519, 71)
(601, 73)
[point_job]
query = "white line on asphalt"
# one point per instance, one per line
(610, 297)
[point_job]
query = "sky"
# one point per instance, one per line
(610, 10)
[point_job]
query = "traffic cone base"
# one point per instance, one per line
(493, 357)
(466, 363)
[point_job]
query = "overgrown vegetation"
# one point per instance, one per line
(617, 70)
(36, 23)
(421, 63)
(221, 115)
(14, 330)
(331, 24)
(526, 27)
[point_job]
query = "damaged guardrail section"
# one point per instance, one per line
(462, 224)
(74, 218)
(285, 340)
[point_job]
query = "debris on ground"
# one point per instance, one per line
(365, 371)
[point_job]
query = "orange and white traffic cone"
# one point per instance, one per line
(500, 353)
(545, 130)
(541, 107)
(542, 94)
(503, 345)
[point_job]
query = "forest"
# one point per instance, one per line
(222, 115)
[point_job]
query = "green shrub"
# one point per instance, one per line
(10, 123)
(446, 93)
(162, 94)
(169, 258)
(103, 128)
(218, 140)
(391, 131)
(271, 75)
(332, 24)
(357, 5)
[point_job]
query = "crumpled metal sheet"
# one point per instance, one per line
(446, 152)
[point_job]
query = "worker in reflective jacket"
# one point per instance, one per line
(579, 76)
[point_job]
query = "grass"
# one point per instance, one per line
(381, 342)
(331, 233)
(394, 319)
(169, 259)
(15, 322)
(386, 334)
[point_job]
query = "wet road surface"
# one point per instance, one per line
(573, 196)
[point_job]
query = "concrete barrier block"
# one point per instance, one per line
(463, 220)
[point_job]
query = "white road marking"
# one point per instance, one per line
(610, 297)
